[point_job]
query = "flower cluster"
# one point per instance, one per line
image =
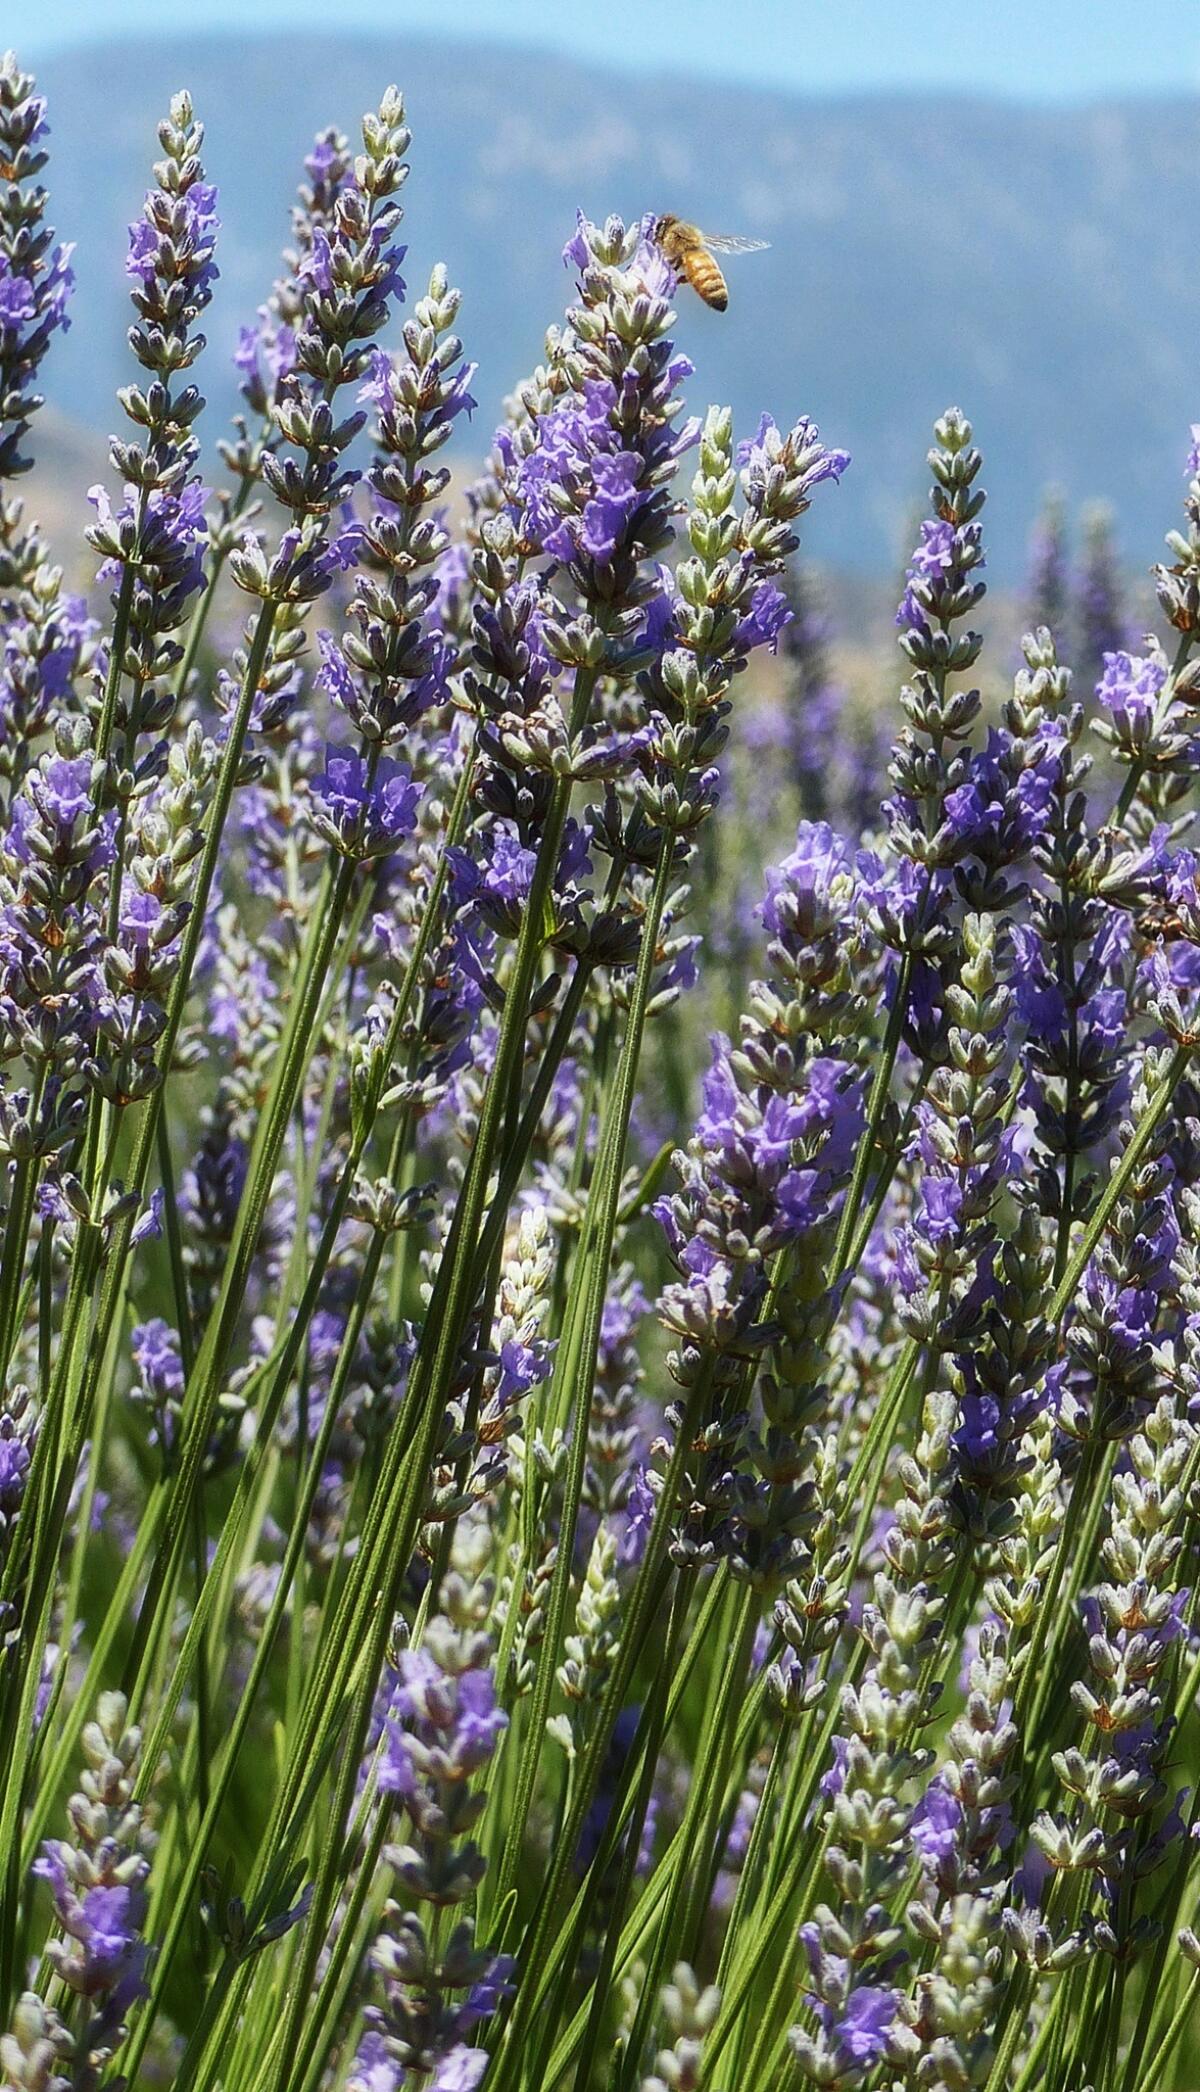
(97, 1883)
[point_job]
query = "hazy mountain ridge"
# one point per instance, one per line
(1032, 265)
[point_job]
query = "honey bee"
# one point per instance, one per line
(689, 252)
(1160, 924)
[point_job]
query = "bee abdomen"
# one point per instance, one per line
(706, 278)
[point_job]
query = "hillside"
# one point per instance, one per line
(1032, 265)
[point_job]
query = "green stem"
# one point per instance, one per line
(644, 1601)
(577, 1357)
(1153, 2077)
(1141, 1140)
(880, 1091)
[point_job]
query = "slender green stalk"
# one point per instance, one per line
(688, 1891)
(644, 1599)
(1143, 1136)
(1152, 2078)
(579, 1352)
(880, 1091)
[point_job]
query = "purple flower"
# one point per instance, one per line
(64, 791)
(156, 1355)
(36, 282)
(364, 810)
(1129, 689)
(264, 357)
(866, 2021)
(443, 1726)
(102, 1918)
(937, 571)
(14, 1470)
(17, 302)
(811, 891)
(168, 544)
(935, 1825)
(373, 2069)
(579, 489)
(461, 2070)
(800, 450)
(833, 1782)
(34, 302)
(639, 1517)
(175, 239)
(769, 612)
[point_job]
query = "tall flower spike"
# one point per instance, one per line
(1048, 587)
(943, 588)
(750, 1225)
(97, 1882)
(46, 641)
(945, 1256)
(350, 277)
(442, 1729)
(153, 544)
(855, 1945)
(394, 665)
(932, 825)
(265, 356)
(1100, 619)
(52, 860)
(35, 288)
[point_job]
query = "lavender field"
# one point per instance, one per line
(599, 1214)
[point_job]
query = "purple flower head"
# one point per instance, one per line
(330, 263)
(942, 1203)
(579, 488)
(769, 612)
(810, 893)
(264, 357)
(935, 1826)
(35, 304)
(156, 1355)
(64, 791)
(639, 1517)
(522, 1367)
(461, 2070)
(389, 384)
(1129, 688)
(15, 1455)
(109, 1918)
(104, 1922)
(169, 544)
(364, 810)
(443, 1727)
(577, 253)
(936, 571)
(487, 1994)
(645, 268)
(799, 450)
(865, 2023)
(176, 238)
(373, 2069)
(833, 1781)
(17, 302)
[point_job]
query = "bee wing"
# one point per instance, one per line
(733, 243)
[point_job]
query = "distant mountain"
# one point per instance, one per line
(1036, 267)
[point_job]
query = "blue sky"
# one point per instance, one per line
(1048, 50)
